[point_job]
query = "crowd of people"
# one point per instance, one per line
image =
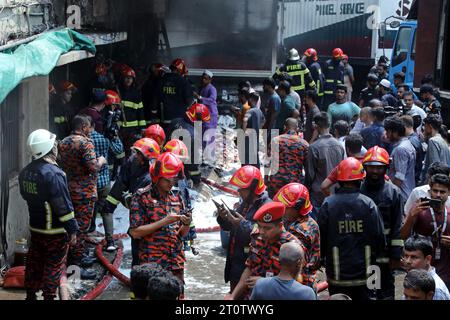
(349, 186)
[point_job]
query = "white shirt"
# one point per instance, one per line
(441, 291)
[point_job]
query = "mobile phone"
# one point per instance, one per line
(435, 203)
(425, 200)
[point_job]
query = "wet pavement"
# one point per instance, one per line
(204, 272)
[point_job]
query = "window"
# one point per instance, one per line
(402, 46)
(413, 50)
(9, 114)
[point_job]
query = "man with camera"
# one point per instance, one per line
(105, 144)
(429, 217)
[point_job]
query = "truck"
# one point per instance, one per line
(248, 38)
(354, 26)
(404, 52)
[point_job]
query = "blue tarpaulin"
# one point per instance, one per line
(39, 57)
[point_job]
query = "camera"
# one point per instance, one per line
(113, 117)
(433, 203)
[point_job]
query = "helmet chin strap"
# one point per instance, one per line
(52, 155)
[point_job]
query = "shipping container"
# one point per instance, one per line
(351, 25)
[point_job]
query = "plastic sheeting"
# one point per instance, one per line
(39, 57)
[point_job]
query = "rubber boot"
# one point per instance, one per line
(31, 295)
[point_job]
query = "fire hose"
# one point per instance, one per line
(114, 271)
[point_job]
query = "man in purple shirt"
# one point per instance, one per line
(208, 96)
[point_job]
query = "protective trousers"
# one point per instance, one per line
(45, 263)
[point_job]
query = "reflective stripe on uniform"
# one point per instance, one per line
(328, 92)
(132, 105)
(330, 80)
(347, 283)
(50, 231)
(194, 173)
(387, 231)
(112, 200)
(60, 120)
(367, 254)
(382, 260)
(120, 155)
(67, 217)
(48, 216)
(336, 263)
(142, 123)
(298, 88)
(397, 243)
(296, 73)
(130, 124)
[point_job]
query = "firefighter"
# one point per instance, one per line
(179, 149)
(176, 94)
(197, 112)
(133, 117)
(312, 62)
(290, 152)
(158, 219)
(370, 92)
(150, 93)
(266, 240)
(298, 221)
(351, 232)
(334, 75)
(156, 132)
(390, 202)
(134, 174)
(43, 185)
(112, 115)
(61, 110)
(252, 193)
(102, 79)
(80, 163)
(297, 70)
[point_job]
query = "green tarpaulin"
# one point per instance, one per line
(39, 57)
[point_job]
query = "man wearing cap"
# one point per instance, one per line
(390, 202)
(251, 188)
(267, 238)
(208, 97)
(352, 234)
(61, 110)
(385, 94)
(370, 92)
(298, 221)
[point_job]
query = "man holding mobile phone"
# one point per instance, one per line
(429, 217)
